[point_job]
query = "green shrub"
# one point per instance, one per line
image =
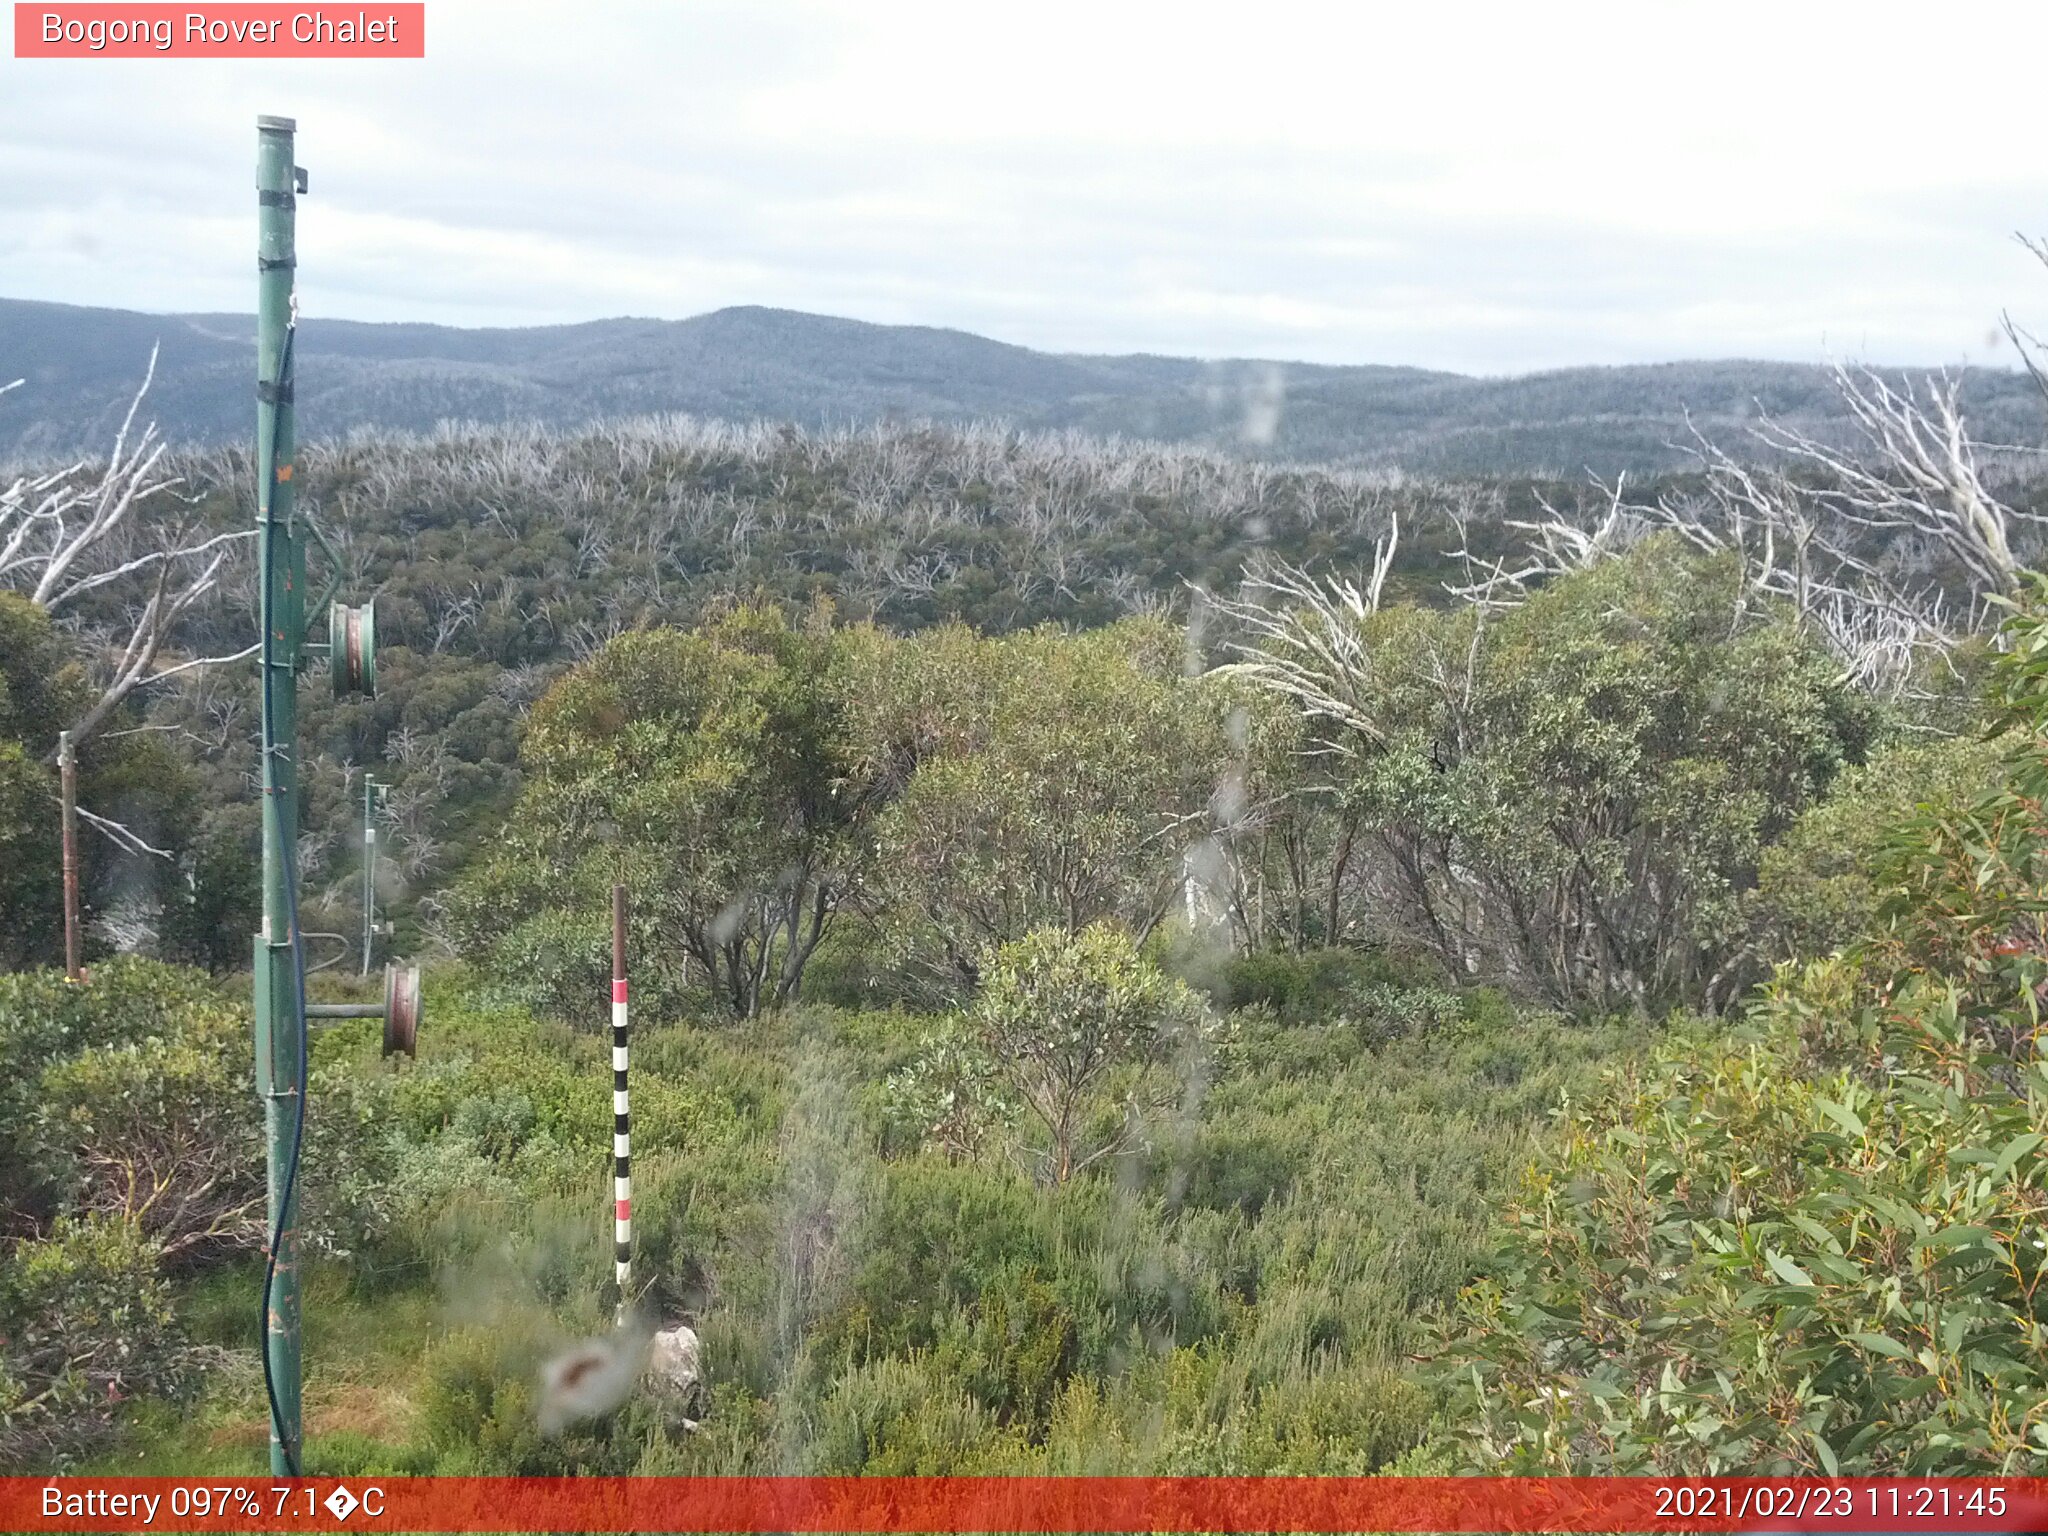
(1744, 1265)
(46, 1019)
(1816, 890)
(899, 1418)
(949, 1097)
(480, 1397)
(496, 1123)
(144, 1109)
(1189, 1412)
(1313, 985)
(85, 1323)
(1220, 1300)
(352, 1455)
(163, 1132)
(853, 968)
(929, 1240)
(1020, 1346)
(477, 1395)
(1067, 1019)
(1816, 1246)
(1346, 1421)
(1388, 1013)
(347, 1171)
(1244, 1163)
(558, 963)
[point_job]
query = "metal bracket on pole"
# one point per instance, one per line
(334, 567)
(400, 1010)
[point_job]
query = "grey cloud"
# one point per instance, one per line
(635, 162)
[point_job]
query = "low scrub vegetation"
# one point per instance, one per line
(1588, 1028)
(1232, 1283)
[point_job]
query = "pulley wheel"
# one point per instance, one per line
(401, 1009)
(352, 649)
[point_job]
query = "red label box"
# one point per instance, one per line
(236, 31)
(962, 1505)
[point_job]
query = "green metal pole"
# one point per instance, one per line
(280, 1025)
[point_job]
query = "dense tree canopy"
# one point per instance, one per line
(1572, 795)
(710, 772)
(752, 781)
(1070, 778)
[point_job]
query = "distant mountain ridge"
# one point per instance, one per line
(82, 364)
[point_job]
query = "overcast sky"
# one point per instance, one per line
(1487, 188)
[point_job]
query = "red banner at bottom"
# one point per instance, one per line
(977, 1504)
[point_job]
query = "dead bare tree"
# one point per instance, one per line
(109, 529)
(1556, 546)
(1304, 638)
(456, 613)
(1911, 476)
(1921, 474)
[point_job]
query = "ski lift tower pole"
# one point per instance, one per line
(279, 961)
(283, 538)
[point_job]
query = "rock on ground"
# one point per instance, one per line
(672, 1362)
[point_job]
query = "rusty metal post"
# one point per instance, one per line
(372, 791)
(67, 784)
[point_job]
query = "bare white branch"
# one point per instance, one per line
(85, 530)
(1306, 639)
(124, 838)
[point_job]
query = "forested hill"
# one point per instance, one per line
(80, 365)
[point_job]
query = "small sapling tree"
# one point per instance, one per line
(1068, 1019)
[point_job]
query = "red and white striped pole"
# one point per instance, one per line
(622, 1129)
